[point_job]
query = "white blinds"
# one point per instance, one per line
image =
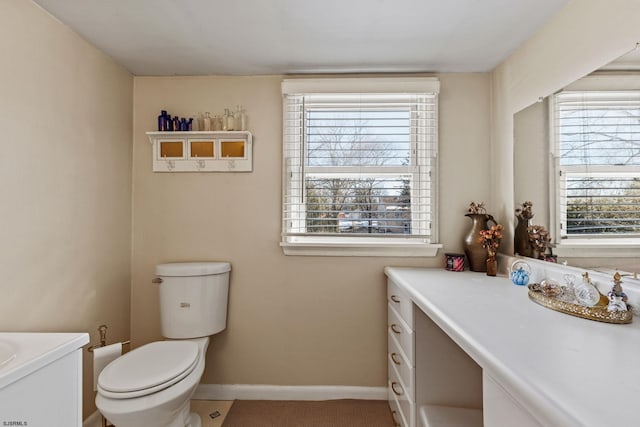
(597, 138)
(359, 164)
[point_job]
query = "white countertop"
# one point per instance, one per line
(565, 370)
(34, 350)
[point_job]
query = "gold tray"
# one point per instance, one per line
(598, 313)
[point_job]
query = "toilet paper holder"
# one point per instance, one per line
(102, 329)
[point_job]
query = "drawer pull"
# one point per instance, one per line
(395, 299)
(393, 357)
(395, 422)
(393, 388)
(395, 329)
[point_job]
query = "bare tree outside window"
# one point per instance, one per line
(346, 188)
(599, 153)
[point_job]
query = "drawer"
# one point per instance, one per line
(400, 302)
(398, 418)
(398, 360)
(406, 407)
(399, 330)
(401, 389)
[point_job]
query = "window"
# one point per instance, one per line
(597, 164)
(359, 166)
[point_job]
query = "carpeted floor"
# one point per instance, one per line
(328, 413)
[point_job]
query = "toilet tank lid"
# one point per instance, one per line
(185, 269)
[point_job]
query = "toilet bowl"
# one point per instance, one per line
(152, 385)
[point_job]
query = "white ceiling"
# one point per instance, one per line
(245, 37)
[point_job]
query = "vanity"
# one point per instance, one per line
(41, 379)
(470, 349)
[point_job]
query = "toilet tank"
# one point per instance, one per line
(193, 298)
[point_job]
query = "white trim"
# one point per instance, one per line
(287, 392)
(387, 249)
(362, 85)
(93, 420)
(599, 248)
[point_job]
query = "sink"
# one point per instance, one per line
(7, 353)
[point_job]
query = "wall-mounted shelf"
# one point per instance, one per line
(219, 151)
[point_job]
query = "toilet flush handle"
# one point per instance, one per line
(157, 280)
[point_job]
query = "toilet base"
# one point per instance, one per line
(194, 420)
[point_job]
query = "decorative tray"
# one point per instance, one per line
(556, 302)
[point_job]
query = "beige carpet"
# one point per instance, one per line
(212, 412)
(328, 413)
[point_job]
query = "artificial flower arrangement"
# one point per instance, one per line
(490, 239)
(539, 238)
(525, 213)
(477, 208)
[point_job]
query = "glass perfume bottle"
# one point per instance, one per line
(585, 292)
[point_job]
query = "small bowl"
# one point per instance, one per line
(520, 273)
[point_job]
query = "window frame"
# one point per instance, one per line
(593, 245)
(354, 244)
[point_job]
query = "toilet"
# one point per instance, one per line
(153, 384)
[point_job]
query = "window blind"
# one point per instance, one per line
(359, 164)
(597, 136)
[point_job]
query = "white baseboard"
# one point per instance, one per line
(287, 392)
(93, 420)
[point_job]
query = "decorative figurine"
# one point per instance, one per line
(617, 298)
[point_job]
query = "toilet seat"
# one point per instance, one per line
(148, 369)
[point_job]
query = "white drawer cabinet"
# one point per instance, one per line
(401, 356)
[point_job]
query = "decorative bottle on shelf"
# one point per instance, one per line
(176, 124)
(217, 122)
(241, 119)
(183, 124)
(199, 122)
(162, 120)
(231, 123)
(237, 119)
(169, 123)
(206, 122)
(190, 124)
(225, 120)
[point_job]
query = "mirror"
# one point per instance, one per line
(532, 175)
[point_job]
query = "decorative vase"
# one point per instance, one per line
(521, 244)
(492, 266)
(476, 254)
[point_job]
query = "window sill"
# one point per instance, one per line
(598, 248)
(359, 247)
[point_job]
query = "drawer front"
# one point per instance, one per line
(400, 302)
(399, 330)
(406, 407)
(400, 388)
(397, 359)
(398, 418)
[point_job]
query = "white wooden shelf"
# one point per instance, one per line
(216, 151)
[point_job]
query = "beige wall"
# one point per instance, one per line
(585, 35)
(292, 320)
(65, 168)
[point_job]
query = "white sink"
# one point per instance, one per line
(7, 353)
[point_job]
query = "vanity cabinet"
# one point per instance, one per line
(401, 356)
(479, 352)
(219, 151)
(41, 379)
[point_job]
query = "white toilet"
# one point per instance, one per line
(153, 384)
